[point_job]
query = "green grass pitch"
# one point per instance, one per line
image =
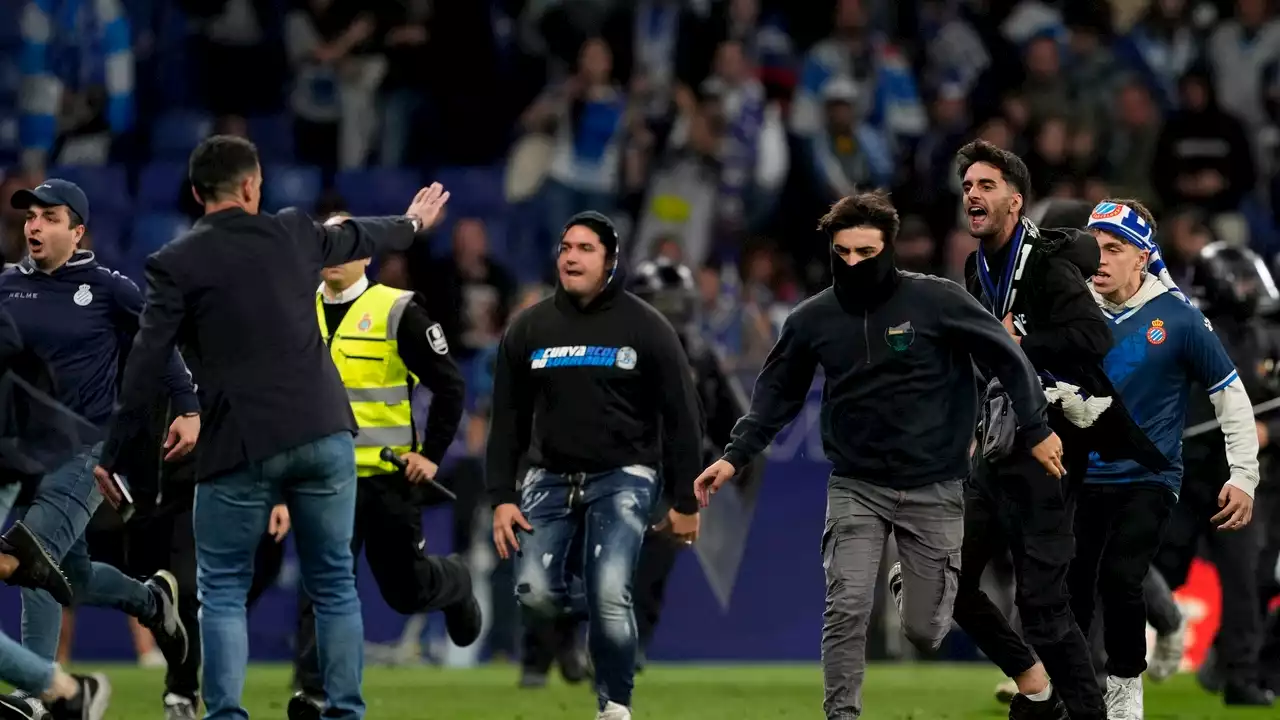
(668, 692)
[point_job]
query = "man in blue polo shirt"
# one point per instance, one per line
(80, 318)
(1163, 345)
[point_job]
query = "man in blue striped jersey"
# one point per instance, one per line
(1162, 346)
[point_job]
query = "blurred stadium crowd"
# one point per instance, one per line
(716, 131)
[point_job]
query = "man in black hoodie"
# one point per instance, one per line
(1034, 280)
(897, 418)
(1203, 158)
(594, 385)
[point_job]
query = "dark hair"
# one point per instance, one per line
(219, 162)
(867, 209)
(73, 219)
(1011, 167)
(1138, 207)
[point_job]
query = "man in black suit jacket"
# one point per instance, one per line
(238, 291)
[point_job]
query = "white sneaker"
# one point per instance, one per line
(1166, 656)
(1005, 691)
(614, 711)
(1124, 698)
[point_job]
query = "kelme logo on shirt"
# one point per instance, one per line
(900, 337)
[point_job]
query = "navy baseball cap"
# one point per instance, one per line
(52, 193)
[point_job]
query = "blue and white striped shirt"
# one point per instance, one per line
(73, 44)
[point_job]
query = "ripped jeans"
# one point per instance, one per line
(588, 525)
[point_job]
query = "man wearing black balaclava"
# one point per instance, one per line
(898, 413)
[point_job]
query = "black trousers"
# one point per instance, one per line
(1016, 504)
(1163, 615)
(1118, 529)
(389, 528)
(1236, 557)
(658, 558)
(163, 538)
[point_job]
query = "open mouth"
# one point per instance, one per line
(1101, 276)
(977, 212)
(34, 244)
(573, 273)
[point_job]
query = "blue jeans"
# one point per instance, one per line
(318, 483)
(58, 515)
(597, 538)
(19, 666)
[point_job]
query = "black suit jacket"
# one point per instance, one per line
(238, 292)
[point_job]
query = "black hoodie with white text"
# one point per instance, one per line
(594, 388)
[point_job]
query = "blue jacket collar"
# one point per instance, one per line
(79, 259)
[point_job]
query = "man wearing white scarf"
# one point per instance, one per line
(1162, 346)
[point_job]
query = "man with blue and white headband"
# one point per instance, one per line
(1163, 345)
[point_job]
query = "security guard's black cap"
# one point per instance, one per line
(52, 193)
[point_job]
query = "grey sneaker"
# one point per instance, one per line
(165, 625)
(895, 585)
(22, 705)
(177, 707)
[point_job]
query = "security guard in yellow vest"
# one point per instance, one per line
(384, 344)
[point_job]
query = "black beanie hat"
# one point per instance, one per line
(598, 224)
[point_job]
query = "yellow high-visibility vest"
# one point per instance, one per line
(367, 356)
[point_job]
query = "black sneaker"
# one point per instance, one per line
(1247, 695)
(571, 656)
(464, 619)
(165, 625)
(531, 679)
(36, 567)
(177, 707)
(304, 707)
(91, 702)
(1024, 708)
(21, 706)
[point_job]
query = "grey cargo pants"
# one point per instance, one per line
(928, 524)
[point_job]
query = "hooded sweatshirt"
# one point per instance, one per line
(594, 388)
(900, 394)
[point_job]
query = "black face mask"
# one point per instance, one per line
(864, 285)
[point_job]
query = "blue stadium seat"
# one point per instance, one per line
(152, 231)
(377, 191)
(10, 26)
(159, 186)
(177, 133)
(477, 191)
(9, 141)
(107, 187)
(290, 186)
(273, 134)
(107, 241)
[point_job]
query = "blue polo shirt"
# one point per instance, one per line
(81, 319)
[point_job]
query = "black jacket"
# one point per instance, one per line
(1067, 337)
(900, 400)
(592, 389)
(1252, 345)
(238, 292)
(719, 397)
(37, 433)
